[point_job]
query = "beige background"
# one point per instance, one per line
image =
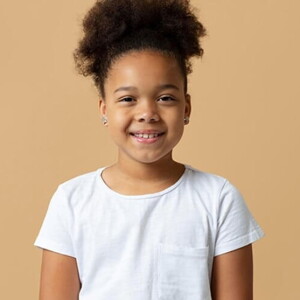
(244, 126)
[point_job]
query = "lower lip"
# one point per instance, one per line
(146, 141)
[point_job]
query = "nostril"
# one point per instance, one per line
(152, 118)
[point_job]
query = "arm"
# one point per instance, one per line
(59, 277)
(232, 275)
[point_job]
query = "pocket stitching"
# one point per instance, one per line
(176, 250)
(183, 250)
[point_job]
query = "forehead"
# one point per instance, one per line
(141, 68)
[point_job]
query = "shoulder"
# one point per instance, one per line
(205, 180)
(212, 187)
(78, 187)
(79, 179)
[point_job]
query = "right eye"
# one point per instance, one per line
(126, 99)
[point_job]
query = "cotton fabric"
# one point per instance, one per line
(150, 247)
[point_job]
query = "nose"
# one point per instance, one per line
(148, 112)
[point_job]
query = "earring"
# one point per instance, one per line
(104, 120)
(186, 120)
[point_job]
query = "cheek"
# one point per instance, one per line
(115, 115)
(176, 118)
(118, 119)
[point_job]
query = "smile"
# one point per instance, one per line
(147, 135)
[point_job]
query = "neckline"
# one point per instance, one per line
(104, 186)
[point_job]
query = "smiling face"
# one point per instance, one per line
(145, 106)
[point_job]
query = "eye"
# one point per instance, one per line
(166, 98)
(127, 99)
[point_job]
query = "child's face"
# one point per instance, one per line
(145, 105)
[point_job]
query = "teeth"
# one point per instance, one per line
(146, 136)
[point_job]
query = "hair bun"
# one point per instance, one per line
(121, 24)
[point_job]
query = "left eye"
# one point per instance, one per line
(127, 99)
(166, 98)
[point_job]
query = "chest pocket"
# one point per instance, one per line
(182, 273)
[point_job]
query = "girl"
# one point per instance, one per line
(146, 227)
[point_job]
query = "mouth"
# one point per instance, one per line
(146, 135)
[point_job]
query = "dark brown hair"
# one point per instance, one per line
(114, 27)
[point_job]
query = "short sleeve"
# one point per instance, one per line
(236, 226)
(55, 232)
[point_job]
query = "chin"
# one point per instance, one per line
(147, 161)
(152, 160)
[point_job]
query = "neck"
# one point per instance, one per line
(155, 171)
(130, 177)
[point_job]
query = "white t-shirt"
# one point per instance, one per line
(147, 247)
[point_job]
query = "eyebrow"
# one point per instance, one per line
(160, 87)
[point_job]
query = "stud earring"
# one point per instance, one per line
(104, 120)
(186, 120)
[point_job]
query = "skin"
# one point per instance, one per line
(59, 277)
(155, 101)
(232, 275)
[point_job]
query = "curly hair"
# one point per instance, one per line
(112, 28)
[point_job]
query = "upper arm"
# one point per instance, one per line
(232, 275)
(59, 277)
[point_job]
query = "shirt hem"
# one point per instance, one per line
(53, 247)
(255, 235)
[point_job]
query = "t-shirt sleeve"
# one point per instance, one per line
(236, 226)
(55, 232)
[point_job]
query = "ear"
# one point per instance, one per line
(188, 106)
(102, 107)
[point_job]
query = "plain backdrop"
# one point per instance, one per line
(244, 126)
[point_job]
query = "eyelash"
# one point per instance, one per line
(123, 99)
(172, 99)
